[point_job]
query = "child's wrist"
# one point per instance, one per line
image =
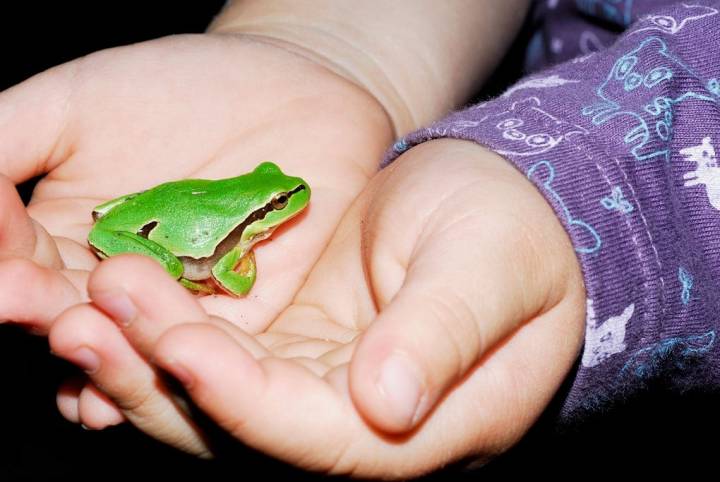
(418, 72)
(343, 59)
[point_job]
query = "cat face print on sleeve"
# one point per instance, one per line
(640, 95)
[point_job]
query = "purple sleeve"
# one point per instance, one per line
(565, 29)
(622, 144)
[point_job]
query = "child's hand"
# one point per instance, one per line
(213, 106)
(438, 323)
(125, 119)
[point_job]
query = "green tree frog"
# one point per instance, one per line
(201, 231)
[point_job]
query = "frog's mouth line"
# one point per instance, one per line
(200, 268)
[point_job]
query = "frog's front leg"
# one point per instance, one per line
(235, 272)
(110, 243)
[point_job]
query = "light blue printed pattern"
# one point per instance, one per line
(645, 71)
(617, 11)
(616, 202)
(713, 86)
(400, 146)
(686, 280)
(649, 361)
(589, 240)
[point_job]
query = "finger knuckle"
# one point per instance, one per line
(136, 398)
(456, 326)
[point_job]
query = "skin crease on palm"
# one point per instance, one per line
(350, 278)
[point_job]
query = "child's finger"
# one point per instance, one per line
(20, 235)
(96, 410)
(88, 338)
(433, 332)
(476, 270)
(274, 405)
(145, 302)
(67, 398)
(142, 299)
(33, 295)
(79, 401)
(17, 234)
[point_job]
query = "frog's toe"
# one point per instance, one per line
(200, 288)
(235, 274)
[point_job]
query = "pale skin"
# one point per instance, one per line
(377, 265)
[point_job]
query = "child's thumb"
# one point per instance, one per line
(433, 333)
(32, 120)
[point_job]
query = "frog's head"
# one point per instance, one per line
(285, 197)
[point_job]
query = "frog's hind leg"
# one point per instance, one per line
(234, 272)
(110, 243)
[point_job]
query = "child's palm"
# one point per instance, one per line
(470, 291)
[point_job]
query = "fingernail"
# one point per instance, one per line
(117, 304)
(86, 359)
(399, 384)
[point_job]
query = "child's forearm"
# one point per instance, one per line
(418, 58)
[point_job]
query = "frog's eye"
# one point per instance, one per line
(280, 201)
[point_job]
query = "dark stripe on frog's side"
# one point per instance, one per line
(145, 230)
(200, 268)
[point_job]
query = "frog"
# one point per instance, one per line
(201, 231)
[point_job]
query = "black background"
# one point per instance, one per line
(650, 434)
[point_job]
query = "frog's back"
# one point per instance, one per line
(192, 216)
(168, 200)
(188, 217)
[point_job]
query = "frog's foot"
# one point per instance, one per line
(110, 243)
(200, 288)
(235, 273)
